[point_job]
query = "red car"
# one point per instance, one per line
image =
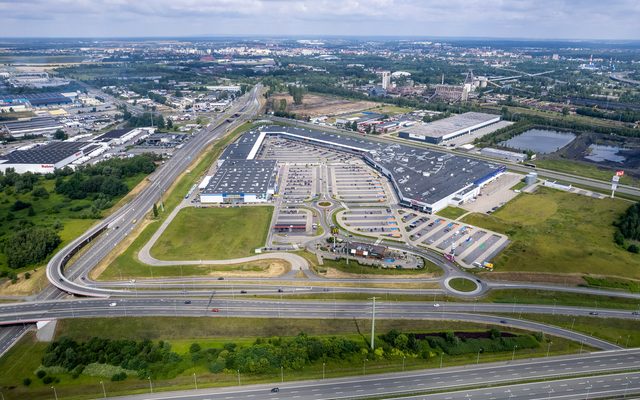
(215, 310)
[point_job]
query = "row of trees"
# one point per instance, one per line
(30, 245)
(628, 228)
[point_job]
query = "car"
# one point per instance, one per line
(436, 305)
(187, 302)
(113, 304)
(502, 321)
(221, 278)
(275, 390)
(593, 313)
(243, 292)
(280, 290)
(215, 310)
(635, 313)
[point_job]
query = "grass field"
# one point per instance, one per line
(24, 358)
(584, 169)
(463, 285)
(127, 259)
(214, 233)
(559, 232)
(354, 268)
(451, 212)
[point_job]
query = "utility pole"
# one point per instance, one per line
(104, 391)
(373, 323)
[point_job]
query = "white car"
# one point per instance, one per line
(113, 304)
(436, 305)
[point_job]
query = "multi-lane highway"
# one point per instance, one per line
(246, 307)
(496, 381)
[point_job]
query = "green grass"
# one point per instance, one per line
(609, 283)
(613, 330)
(451, 212)
(23, 360)
(463, 285)
(584, 169)
(519, 186)
(558, 232)
(548, 297)
(214, 233)
(56, 208)
(128, 260)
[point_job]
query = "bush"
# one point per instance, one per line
(19, 205)
(26, 381)
(119, 377)
(194, 348)
(634, 248)
(41, 374)
(47, 380)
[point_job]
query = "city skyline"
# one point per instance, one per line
(584, 19)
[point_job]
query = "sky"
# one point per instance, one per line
(539, 19)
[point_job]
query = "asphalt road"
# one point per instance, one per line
(618, 365)
(30, 312)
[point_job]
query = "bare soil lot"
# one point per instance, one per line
(314, 105)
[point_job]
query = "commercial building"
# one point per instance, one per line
(120, 136)
(503, 154)
(45, 158)
(36, 99)
(240, 178)
(423, 179)
(448, 128)
(34, 126)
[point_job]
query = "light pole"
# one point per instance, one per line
(323, 366)
(403, 358)
(626, 387)
(373, 322)
(478, 357)
(581, 345)
(282, 373)
(195, 380)
(513, 355)
(364, 366)
(238, 377)
(104, 391)
(588, 391)
(548, 348)
(441, 356)
(150, 384)
(55, 394)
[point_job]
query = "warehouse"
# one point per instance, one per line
(423, 179)
(503, 154)
(37, 99)
(241, 181)
(448, 128)
(45, 158)
(240, 178)
(34, 126)
(120, 136)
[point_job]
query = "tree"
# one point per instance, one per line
(155, 210)
(565, 111)
(60, 135)
(633, 248)
(30, 245)
(283, 104)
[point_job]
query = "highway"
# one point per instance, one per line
(30, 312)
(496, 379)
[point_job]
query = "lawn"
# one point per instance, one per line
(214, 233)
(24, 359)
(584, 169)
(558, 232)
(451, 212)
(463, 285)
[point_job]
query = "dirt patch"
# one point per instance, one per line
(26, 287)
(333, 273)
(314, 105)
(564, 279)
(271, 268)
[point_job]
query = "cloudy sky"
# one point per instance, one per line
(571, 19)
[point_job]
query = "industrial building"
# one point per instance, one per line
(240, 178)
(34, 126)
(36, 99)
(46, 157)
(423, 179)
(448, 128)
(503, 154)
(120, 136)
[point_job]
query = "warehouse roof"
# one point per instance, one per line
(49, 153)
(243, 176)
(112, 134)
(446, 126)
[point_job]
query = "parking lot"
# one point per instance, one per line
(495, 194)
(356, 183)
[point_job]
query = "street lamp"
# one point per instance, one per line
(513, 356)
(195, 381)
(549, 348)
(104, 391)
(403, 358)
(150, 384)
(364, 366)
(478, 357)
(55, 394)
(323, 366)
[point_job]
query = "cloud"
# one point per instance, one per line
(523, 18)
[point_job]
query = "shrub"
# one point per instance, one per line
(26, 381)
(47, 380)
(41, 374)
(634, 248)
(120, 376)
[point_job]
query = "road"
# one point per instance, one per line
(617, 365)
(117, 226)
(243, 306)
